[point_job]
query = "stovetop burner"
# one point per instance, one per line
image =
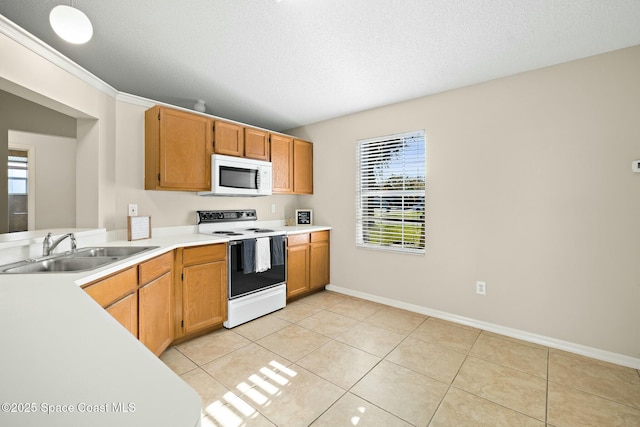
(233, 225)
(260, 230)
(228, 233)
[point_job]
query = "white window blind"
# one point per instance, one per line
(390, 192)
(17, 174)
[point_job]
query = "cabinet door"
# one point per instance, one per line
(107, 291)
(204, 295)
(184, 151)
(297, 270)
(282, 163)
(228, 139)
(155, 323)
(302, 167)
(125, 311)
(256, 144)
(319, 264)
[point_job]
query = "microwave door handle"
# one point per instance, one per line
(258, 179)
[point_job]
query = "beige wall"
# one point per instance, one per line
(529, 188)
(18, 114)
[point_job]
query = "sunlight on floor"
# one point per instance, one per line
(234, 411)
(356, 418)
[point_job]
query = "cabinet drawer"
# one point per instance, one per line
(106, 291)
(298, 239)
(200, 254)
(156, 267)
(320, 236)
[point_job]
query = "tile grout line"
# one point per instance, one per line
(348, 391)
(453, 379)
(546, 400)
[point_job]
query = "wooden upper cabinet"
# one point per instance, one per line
(178, 148)
(228, 139)
(256, 144)
(292, 161)
(282, 163)
(302, 167)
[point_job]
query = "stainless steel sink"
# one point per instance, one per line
(60, 265)
(80, 260)
(111, 251)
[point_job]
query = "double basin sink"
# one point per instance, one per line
(83, 259)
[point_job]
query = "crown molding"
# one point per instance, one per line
(135, 100)
(29, 41)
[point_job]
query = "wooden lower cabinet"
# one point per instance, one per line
(202, 297)
(319, 260)
(125, 311)
(307, 262)
(141, 299)
(297, 269)
(118, 295)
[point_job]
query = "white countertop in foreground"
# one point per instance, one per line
(66, 362)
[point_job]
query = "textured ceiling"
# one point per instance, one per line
(282, 64)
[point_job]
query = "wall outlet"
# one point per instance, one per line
(273, 208)
(133, 210)
(481, 288)
(635, 166)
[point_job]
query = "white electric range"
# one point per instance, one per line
(256, 263)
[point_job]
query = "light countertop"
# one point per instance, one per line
(62, 353)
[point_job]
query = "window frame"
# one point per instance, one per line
(387, 217)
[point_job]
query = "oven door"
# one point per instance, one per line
(243, 283)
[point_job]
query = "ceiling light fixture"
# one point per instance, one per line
(71, 24)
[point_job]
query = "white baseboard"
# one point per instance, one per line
(607, 356)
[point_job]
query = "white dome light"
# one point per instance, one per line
(71, 24)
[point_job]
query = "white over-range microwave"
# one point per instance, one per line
(238, 176)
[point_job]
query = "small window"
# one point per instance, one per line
(390, 193)
(18, 173)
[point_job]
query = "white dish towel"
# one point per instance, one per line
(263, 254)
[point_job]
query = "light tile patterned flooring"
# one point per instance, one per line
(334, 360)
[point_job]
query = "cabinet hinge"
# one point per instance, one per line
(158, 116)
(182, 323)
(182, 277)
(158, 177)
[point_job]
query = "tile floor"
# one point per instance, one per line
(334, 360)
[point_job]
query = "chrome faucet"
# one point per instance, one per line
(48, 245)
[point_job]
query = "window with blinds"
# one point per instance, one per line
(390, 192)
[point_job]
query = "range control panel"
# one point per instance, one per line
(222, 216)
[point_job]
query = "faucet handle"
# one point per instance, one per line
(46, 244)
(74, 243)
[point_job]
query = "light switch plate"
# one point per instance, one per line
(133, 210)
